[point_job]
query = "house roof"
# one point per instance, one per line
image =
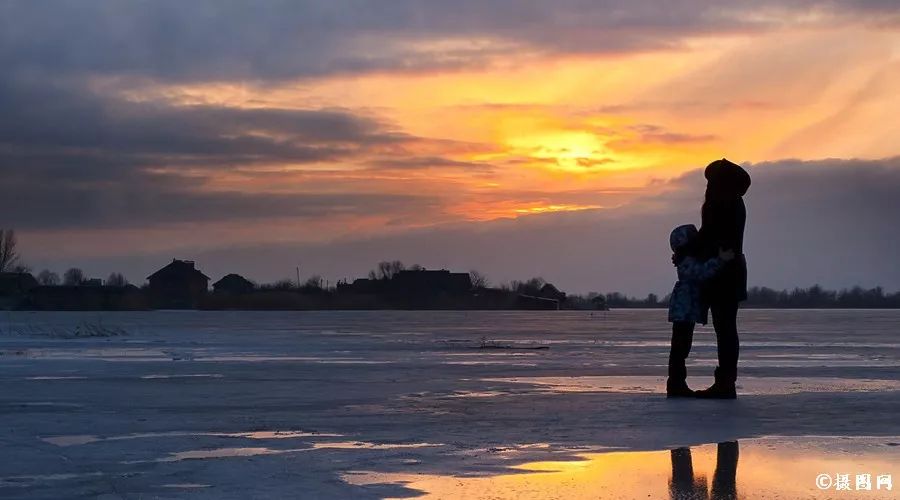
(231, 280)
(550, 291)
(549, 288)
(178, 269)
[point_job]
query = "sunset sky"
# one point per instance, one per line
(338, 133)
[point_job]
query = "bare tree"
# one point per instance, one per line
(529, 287)
(73, 277)
(116, 279)
(282, 285)
(314, 282)
(387, 269)
(48, 278)
(478, 280)
(9, 255)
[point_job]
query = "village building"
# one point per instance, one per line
(233, 284)
(428, 282)
(178, 285)
(549, 291)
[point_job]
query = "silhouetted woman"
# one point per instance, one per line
(723, 218)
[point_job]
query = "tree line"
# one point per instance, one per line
(758, 297)
(814, 297)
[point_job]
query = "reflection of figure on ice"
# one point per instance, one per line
(683, 485)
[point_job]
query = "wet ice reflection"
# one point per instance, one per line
(77, 440)
(746, 385)
(759, 468)
(365, 445)
(221, 453)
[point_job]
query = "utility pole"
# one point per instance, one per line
(298, 276)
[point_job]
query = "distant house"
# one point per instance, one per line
(360, 286)
(425, 282)
(14, 287)
(178, 285)
(549, 291)
(233, 284)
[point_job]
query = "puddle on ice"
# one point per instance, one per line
(256, 451)
(365, 445)
(489, 362)
(746, 385)
(64, 441)
(220, 453)
(100, 354)
(277, 434)
(76, 440)
(25, 481)
(757, 468)
(186, 486)
(61, 377)
(50, 404)
(475, 394)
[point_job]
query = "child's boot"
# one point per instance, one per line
(678, 389)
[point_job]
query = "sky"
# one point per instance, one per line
(522, 138)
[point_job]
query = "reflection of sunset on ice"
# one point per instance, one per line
(765, 468)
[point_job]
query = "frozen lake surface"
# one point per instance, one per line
(447, 404)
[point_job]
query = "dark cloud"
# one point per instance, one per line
(204, 40)
(48, 117)
(148, 205)
(72, 159)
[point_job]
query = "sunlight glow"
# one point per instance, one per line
(526, 127)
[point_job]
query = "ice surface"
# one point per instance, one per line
(393, 404)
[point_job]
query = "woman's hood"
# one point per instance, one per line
(727, 178)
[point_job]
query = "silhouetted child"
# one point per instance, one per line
(686, 307)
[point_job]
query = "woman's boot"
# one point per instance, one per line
(722, 388)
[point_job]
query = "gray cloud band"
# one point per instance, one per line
(206, 40)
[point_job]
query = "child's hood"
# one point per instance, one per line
(681, 236)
